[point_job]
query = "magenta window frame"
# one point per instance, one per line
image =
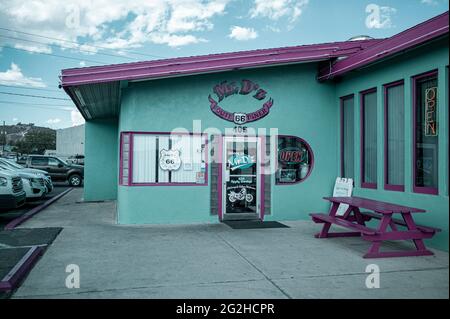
(311, 167)
(130, 160)
(420, 189)
(387, 186)
(342, 150)
(362, 135)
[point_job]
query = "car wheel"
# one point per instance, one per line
(75, 180)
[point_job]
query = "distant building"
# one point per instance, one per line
(70, 141)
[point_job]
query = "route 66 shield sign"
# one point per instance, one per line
(169, 160)
(239, 118)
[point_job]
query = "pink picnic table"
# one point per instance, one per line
(355, 220)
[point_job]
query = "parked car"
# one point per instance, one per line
(58, 169)
(43, 174)
(12, 194)
(76, 159)
(33, 184)
(22, 160)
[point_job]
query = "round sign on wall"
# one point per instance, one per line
(226, 89)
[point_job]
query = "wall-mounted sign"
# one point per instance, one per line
(169, 160)
(240, 161)
(292, 155)
(226, 89)
(430, 112)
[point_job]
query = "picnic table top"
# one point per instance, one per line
(375, 205)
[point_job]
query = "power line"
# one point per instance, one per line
(29, 88)
(31, 103)
(55, 55)
(36, 96)
(39, 106)
(67, 47)
(91, 45)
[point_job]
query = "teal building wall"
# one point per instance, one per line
(101, 160)
(302, 107)
(421, 60)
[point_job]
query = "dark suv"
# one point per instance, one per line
(58, 169)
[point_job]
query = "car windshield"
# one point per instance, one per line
(10, 163)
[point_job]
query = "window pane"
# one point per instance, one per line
(190, 148)
(125, 157)
(39, 161)
(370, 138)
(349, 137)
(53, 162)
(295, 160)
(426, 148)
(144, 158)
(395, 135)
(167, 159)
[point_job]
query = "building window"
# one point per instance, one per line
(124, 158)
(425, 133)
(347, 137)
(369, 138)
(163, 159)
(295, 160)
(394, 136)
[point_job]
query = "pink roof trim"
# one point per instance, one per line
(211, 63)
(415, 36)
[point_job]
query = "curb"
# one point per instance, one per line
(19, 271)
(19, 220)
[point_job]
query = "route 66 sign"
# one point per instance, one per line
(240, 118)
(169, 160)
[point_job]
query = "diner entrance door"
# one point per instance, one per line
(241, 177)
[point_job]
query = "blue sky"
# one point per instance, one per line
(39, 38)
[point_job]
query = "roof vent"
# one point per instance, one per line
(360, 37)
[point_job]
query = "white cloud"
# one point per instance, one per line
(33, 48)
(53, 121)
(15, 119)
(429, 2)
(171, 22)
(242, 34)
(379, 17)
(83, 63)
(175, 40)
(14, 76)
(76, 118)
(277, 9)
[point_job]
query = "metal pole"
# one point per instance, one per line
(4, 137)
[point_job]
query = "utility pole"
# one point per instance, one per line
(4, 137)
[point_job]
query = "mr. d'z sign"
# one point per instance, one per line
(246, 87)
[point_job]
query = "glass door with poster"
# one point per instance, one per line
(241, 178)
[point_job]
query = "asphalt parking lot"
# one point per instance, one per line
(8, 216)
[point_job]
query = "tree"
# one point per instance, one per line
(37, 141)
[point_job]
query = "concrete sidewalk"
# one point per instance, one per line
(214, 261)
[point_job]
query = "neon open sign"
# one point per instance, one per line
(430, 112)
(292, 155)
(226, 89)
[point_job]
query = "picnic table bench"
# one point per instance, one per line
(355, 220)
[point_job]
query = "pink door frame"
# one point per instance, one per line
(262, 141)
